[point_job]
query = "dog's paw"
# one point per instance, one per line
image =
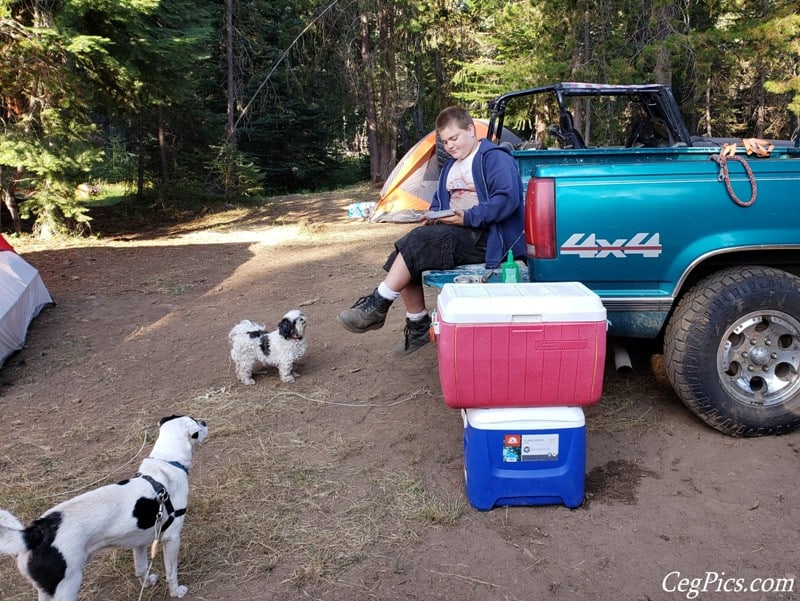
(247, 381)
(178, 590)
(150, 580)
(288, 378)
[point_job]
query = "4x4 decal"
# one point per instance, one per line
(589, 246)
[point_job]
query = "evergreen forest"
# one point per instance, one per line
(180, 101)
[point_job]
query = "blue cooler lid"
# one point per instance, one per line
(524, 418)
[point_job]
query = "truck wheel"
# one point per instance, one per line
(732, 351)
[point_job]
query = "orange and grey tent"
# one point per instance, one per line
(410, 186)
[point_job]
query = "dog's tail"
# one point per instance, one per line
(246, 327)
(11, 528)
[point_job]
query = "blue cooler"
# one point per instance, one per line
(524, 456)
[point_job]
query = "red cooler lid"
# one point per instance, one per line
(539, 302)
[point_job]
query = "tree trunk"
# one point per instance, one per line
(577, 62)
(11, 204)
(707, 111)
(389, 96)
(231, 140)
(586, 126)
(231, 108)
(367, 65)
(663, 66)
(162, 154)
(760, 125)
(140, 161)
(9, 198)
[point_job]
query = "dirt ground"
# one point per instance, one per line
(348, 484)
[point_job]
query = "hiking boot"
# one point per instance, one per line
(417, 334)
(368, 313)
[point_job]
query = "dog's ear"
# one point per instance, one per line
(286, 328)
(166, 419)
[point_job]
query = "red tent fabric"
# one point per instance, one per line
(4, 245)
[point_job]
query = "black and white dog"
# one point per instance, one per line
(253, 348)
(132, 514)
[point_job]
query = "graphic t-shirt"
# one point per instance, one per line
(461, 184)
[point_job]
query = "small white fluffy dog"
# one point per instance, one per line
(253, 348)
(132, 514)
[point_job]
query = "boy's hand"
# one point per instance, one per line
(456, 219)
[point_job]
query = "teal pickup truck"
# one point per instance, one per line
(691, 242)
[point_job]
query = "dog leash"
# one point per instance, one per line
(164, 502)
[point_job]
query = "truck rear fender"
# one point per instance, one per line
(540, 218)
(785, 257)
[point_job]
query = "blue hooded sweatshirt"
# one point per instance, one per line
(500, 208)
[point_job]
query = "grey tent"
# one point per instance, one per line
(22, 296)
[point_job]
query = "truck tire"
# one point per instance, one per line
(732, 351)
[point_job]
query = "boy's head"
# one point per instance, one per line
(457, 132)
(454, 116)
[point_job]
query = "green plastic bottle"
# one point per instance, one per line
(510, 270)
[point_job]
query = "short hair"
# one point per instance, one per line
(454, 114)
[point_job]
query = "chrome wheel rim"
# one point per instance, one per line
(758, 360)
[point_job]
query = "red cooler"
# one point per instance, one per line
(520, 345)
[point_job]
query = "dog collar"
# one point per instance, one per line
(177, 464)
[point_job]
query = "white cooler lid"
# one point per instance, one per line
(519, 303)
(524, 418)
